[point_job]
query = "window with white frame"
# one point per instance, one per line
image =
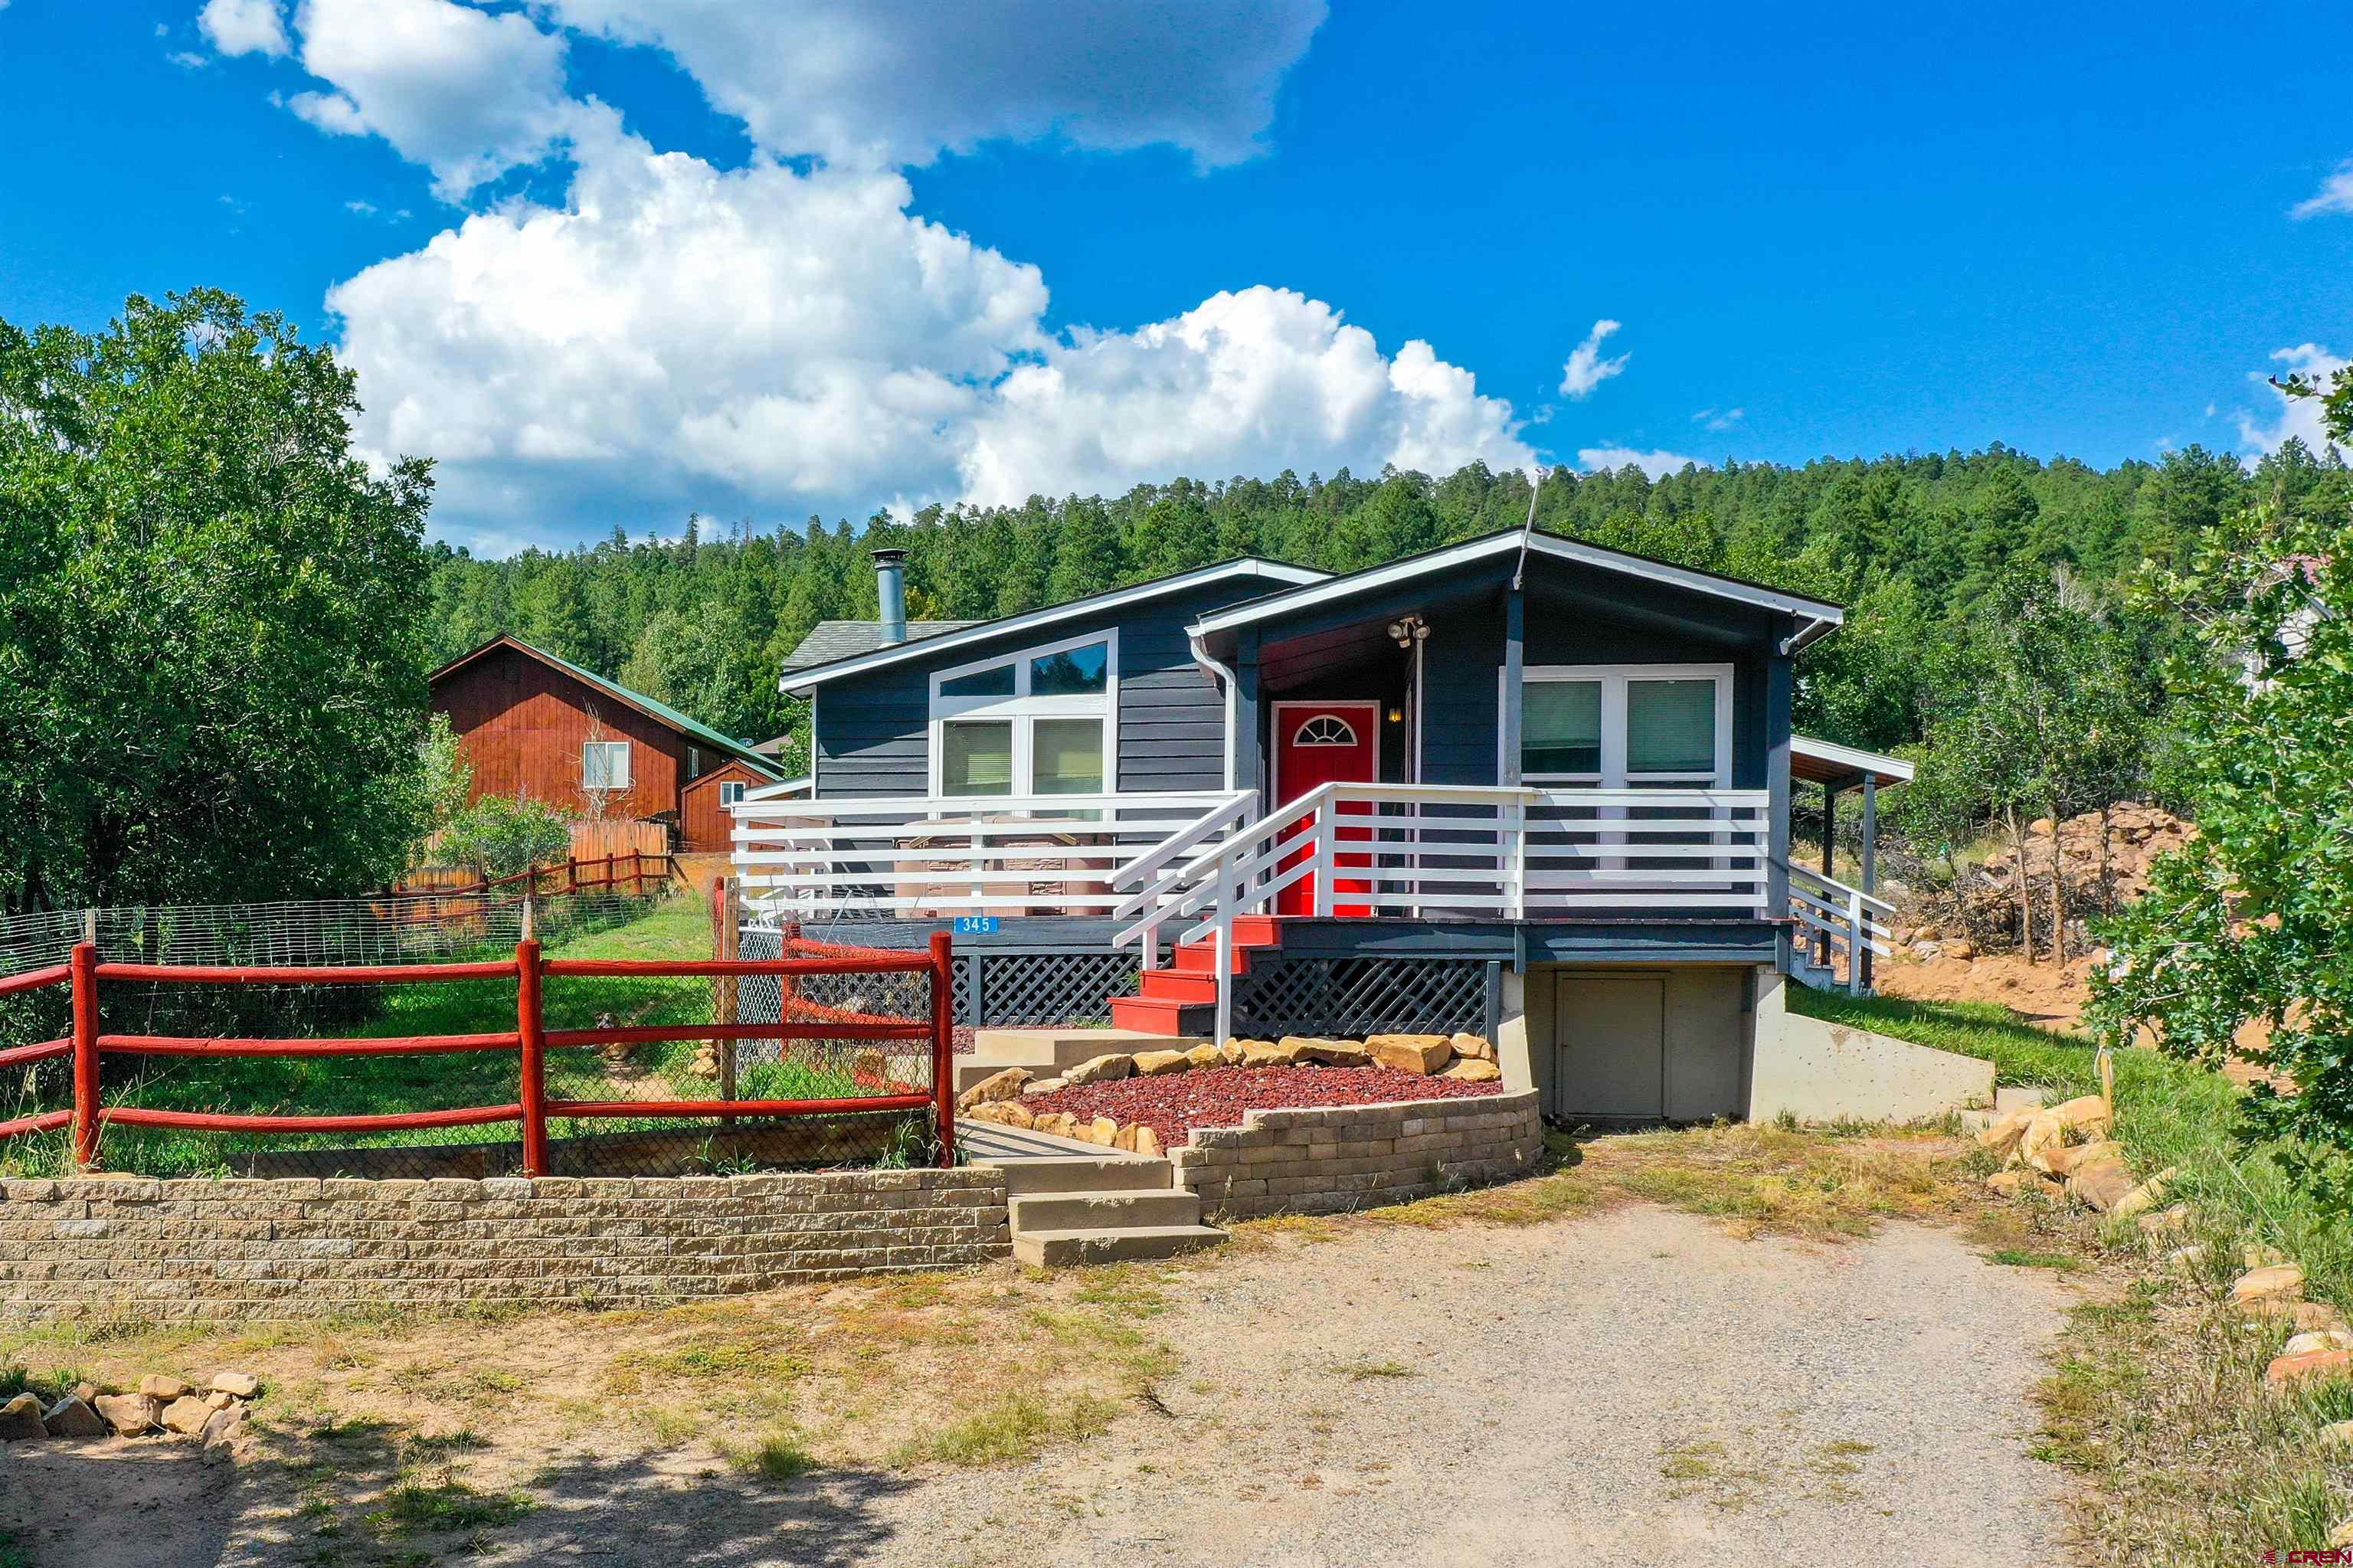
(1040, 721)
(730, 792)
(1627, 727)
(605, 765)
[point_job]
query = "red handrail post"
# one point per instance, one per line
(943, 1043)
(85, 1055)
(530, 1026)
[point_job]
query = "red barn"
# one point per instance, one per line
(538, 726)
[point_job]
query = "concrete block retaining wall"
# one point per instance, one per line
(1337, 1158)
(203, 1249)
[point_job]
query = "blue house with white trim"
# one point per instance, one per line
(1521, 785)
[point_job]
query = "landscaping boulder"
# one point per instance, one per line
(1334, 1053)
(2086, 1115)
(224, 1426)
(187, 1415)
(2259, 1255)
(2313, 1339)
(2317, 1317)
(1410, 1052)
(1003, 1085)
(1103, 1069)
(1147, 1142)
(2186, 1258)
(1101, 1129)
(1004, 1113)
(2101, 1184)
(21, 1418)
(2309, 1367)
(1474, 1046)
(1205, 1055)
(1153, 1064)
(1265, 1053)
(1057, 1124)
(1048, 1086)
(71, 1417)
(2011, 1182)
(2043, 1134)
(2064, 1161)
(2006, 1129)
(1474, 1071)
(2146, 1196)
(158, 1386)
(2169, 1222)
(2337, 1434)
(2274, 1282)
(128, 1413)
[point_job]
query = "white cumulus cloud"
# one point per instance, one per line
(1246, 382)
(244, 26)
(2335, 195)
(467, 94)
(882, 82)
(1586, 368)
(1609, 460)
(2297, 417)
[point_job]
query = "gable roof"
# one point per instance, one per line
(803, 677)
(830, 640)
(660, 712)
(1820, 614)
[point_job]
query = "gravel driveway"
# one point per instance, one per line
(1630, 1387)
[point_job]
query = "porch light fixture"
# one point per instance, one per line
(1396, 716)
(1405, 633)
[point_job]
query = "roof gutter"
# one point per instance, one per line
(1815, 627)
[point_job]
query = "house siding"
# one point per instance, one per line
(519, 725)
(873, 730)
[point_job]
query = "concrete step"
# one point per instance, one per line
(1027, 1177)
(1056, 1249)
(2014, 1098)
(1125, 1208)
(1041, 1050)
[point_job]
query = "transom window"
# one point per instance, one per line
(1326, 729)
(1040, 721)
(1626, 727)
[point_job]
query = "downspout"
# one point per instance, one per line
(1201, 655)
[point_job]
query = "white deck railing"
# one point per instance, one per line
(1846, 920)
(934, 857)
(1187, 864)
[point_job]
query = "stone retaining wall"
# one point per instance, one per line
(1337, 1158)
(305, 1247)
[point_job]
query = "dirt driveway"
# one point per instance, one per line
(1631, 1386)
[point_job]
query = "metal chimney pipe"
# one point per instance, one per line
(891, 588)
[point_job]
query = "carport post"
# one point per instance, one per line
(1829, 835)
(1869, 863)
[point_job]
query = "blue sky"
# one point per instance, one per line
(608, 260)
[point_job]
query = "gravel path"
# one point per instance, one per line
(1626, 1389)
(1632, 1387)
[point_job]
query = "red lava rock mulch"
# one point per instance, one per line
(1173, 1104)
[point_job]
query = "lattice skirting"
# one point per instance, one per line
(1018, 990)
(1356, 996)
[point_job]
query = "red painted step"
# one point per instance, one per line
(1182, 999)
(1177, 985)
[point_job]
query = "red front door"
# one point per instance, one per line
(1317, 744)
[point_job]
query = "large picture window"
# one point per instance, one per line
(1039, 722)
(1638, 726)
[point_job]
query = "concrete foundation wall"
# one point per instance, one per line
(1818, 1071)
(1339, 1158)
(1704, 1023)
(199, 1249)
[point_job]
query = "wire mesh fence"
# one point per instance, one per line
(395, 929)
(420, 1074)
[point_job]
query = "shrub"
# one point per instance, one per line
(499, 836)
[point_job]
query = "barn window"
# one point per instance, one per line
(605, 765)
(1326, 729)
(731, 791)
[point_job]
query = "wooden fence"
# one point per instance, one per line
(530, 1039)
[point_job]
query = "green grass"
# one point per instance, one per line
(677, 928)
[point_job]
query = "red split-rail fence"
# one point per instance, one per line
(530, 1039)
